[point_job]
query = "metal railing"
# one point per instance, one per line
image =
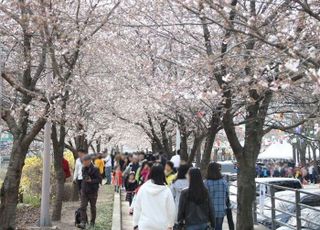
(273, 221)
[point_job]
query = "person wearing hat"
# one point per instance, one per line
(89, 190)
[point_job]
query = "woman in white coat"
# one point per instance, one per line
(154, 207)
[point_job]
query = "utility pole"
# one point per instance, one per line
(45, 191)
(1, 83)
(1, 89)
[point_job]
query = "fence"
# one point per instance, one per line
(297, 203)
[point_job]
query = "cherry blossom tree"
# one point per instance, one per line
(46, 29)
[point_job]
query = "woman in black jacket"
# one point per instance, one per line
(194, 207)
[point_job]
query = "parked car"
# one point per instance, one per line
(278, 181)
(285, 202)
(310, 220)
(284, 182)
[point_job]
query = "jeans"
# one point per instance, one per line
(108, 174)
(219, 223)
(197, 227)
(85, 199)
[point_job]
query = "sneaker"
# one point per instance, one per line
(82, 225)
(92, 224)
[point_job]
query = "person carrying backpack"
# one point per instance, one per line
(89, 191)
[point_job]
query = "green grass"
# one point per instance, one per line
(31, 200)
(105, 209)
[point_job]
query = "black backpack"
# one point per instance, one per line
(77, 217)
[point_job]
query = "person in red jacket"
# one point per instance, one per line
(66, 168)
(117, 179)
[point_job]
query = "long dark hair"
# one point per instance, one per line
(182, 171)
(197, 191)
(214, 171)
(157, 175)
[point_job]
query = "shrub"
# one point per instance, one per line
(32, 175)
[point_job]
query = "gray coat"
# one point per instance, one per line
(176, 189)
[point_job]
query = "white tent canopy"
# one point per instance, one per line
(277, 151)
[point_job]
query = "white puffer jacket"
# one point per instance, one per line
(154, 207)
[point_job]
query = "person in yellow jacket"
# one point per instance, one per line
(170, 173)
(99, 163)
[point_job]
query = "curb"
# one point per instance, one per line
(116, 217)
(43, 228)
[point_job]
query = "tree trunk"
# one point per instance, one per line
(198, 158)
(57, 204)
(59, 177)
(212, 132)
(314, 152)
(196, 146)
(302, 149)
(58, 142)
(155, 147)
(294, 152)
(184, 139)
(99, 145)
(184, 147)
(165, 139)
(207, 154)
(246, 194)
(10, 187)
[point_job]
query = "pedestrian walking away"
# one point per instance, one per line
(179, 184)
(154, 207)
(108, 168)
(218, 192)
(195, 211)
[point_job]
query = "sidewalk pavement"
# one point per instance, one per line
(226, 227)
(127, 221)
(116, 216)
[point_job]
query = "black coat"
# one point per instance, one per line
(91, 179)
(191, 213)
(131, 186)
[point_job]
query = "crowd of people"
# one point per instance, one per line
(308, 173)
(168, 194)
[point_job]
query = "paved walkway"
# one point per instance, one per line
(104, 211)
(127, 222)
